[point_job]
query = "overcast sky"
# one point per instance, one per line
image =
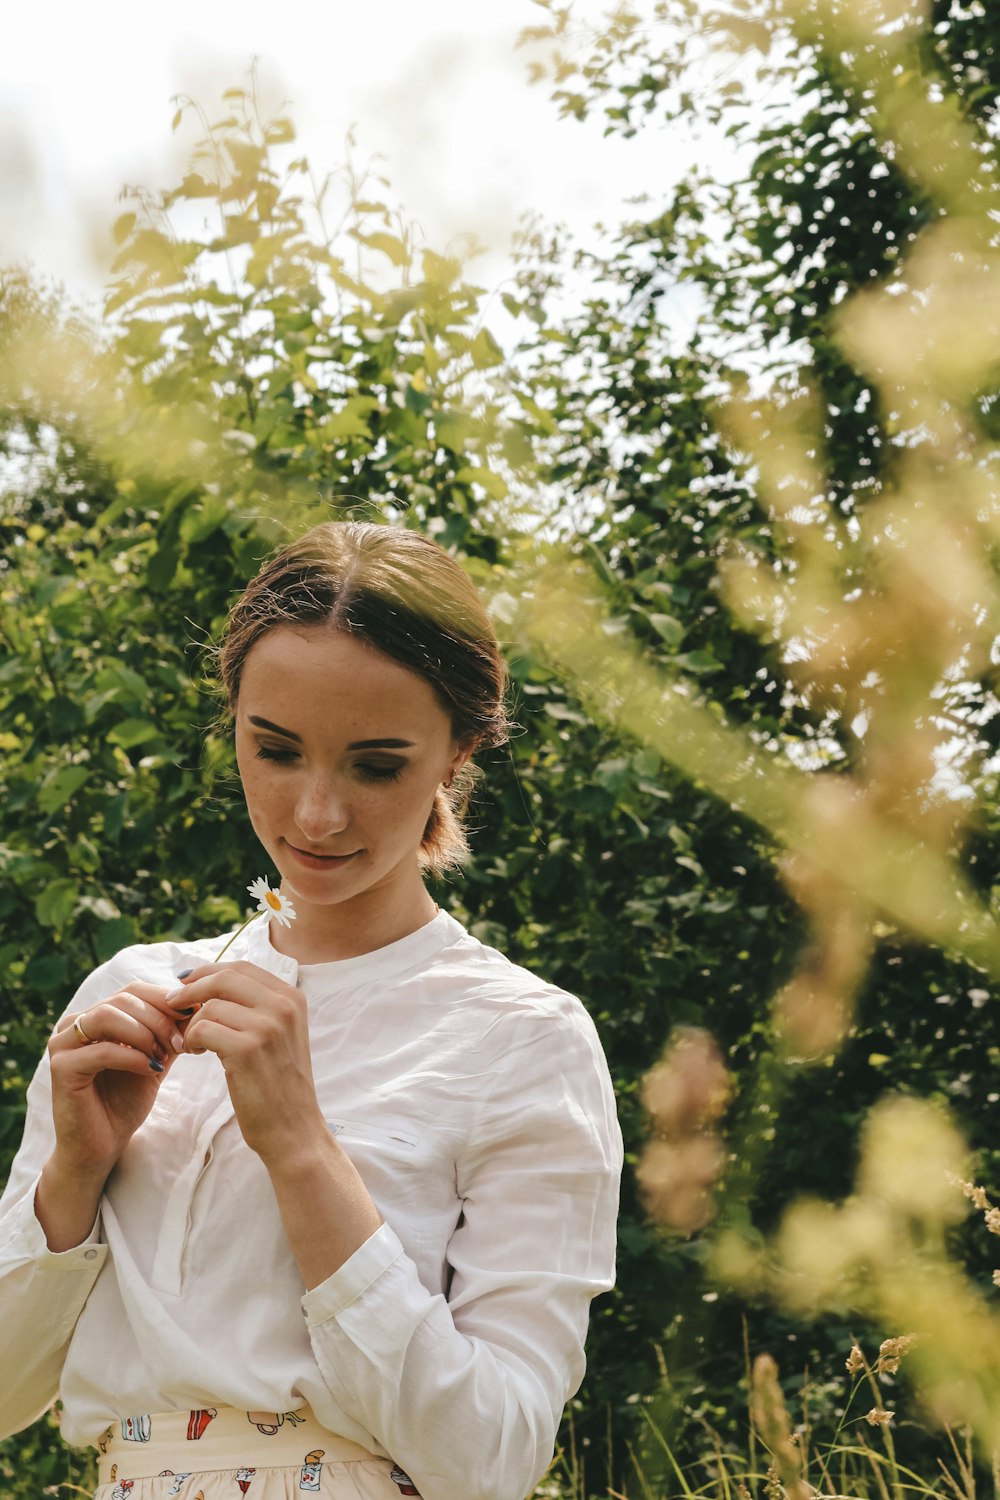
(438, 89)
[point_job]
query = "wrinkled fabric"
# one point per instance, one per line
(474, 1100)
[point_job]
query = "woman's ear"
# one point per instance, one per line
(463, 751)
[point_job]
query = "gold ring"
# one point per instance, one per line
(78, 1028)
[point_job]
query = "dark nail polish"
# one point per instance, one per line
(188, 1012)
(183, 973)
(157, 1067)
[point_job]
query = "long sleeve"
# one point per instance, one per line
(466, 1392)
(41, 1293)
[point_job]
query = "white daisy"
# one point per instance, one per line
(272, 903)
(269, 904)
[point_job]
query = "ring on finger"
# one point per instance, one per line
(78, 1028)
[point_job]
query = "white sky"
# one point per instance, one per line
(437, 88)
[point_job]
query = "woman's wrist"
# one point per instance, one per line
(67, 1199)
(297, 1150)
(327, 1211)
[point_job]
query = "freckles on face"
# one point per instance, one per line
(367, 743)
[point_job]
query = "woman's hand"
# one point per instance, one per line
(103, 1089)
(258, 1026)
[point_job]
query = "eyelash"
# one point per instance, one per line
(370, 773)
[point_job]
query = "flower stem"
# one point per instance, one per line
(236, 934)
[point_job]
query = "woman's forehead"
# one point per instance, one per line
(318, 676)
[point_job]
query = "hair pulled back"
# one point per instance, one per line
(400, 592)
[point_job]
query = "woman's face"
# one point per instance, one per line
(340, 750)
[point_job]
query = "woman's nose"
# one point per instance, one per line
(321, 810)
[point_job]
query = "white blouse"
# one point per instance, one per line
(474, 1100)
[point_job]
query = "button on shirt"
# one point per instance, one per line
(474, 1100)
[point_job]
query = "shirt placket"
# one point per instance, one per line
(176, 1224)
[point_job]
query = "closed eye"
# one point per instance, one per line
(369, 772)
(380, 773)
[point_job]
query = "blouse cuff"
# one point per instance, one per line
(370, 1261)
(24, 1240)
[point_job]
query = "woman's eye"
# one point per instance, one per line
(380, 773)
(368, 772)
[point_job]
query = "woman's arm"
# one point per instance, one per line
(42, 1291)
(466, 1393)
(325, 1207)
(84, 1102)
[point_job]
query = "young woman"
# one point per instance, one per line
(326, 1216)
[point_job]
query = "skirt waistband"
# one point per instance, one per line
(221, 1437)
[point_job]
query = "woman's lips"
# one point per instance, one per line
(321, 861)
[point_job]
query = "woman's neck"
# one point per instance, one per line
(372, 920)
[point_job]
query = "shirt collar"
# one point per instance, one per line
(417, 948)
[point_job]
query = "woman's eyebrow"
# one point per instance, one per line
(387, 744)
(277, 729)
(380, 745)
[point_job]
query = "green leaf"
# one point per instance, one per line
(350, 421)
(701, 662)
(389, 244)
(454, 430)
(123, 227)
(246, 156)
(262, 257)
(162, 565)
(668, 628)
(280, 132)
(57, 902)
(202, 518)
(485, 350)
(118, 678)
(194, 185)
(485, 478)
(441, 271)
(56, 790)
(48, 974)
(111, 937)
(132, 732)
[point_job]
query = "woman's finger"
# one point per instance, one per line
(145, 1005)
(244, 983)
(117, 1022)
(237, 1022)
(103, 1057)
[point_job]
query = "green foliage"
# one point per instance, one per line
(35, 1463)
(819, 204)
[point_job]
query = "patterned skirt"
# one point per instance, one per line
(223, 1454)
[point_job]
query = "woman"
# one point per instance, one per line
(327, 1215)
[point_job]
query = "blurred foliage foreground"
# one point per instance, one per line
(746, 584)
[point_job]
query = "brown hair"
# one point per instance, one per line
(402, 593)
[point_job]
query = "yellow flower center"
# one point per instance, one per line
(273, 900)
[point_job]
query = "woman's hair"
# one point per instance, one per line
(400, 592)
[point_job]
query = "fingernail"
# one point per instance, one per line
(157, 1067)
(183, 973)
(189, 1012)
(177, 1042)
(174, 994)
